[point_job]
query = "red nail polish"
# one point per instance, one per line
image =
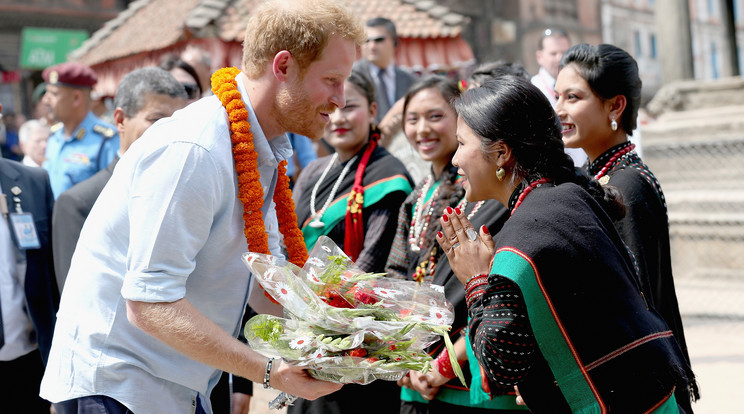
(444, 217)
(484, 229)
(457, 210)
(449, 210)
(440, 235)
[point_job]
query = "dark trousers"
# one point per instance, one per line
(99, 404)
(19, 383)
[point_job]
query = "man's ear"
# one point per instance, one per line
(119, 120)
(281, 66)
(77, 97)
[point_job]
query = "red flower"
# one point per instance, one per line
(332, 298)
(364, 297)
(359, 352)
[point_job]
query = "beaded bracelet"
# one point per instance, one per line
(473, 288)
(444, 365)
(475, 277)
(266, 383)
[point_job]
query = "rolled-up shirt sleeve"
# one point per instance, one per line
(171, 211)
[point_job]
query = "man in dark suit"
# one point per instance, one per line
(143, 96)
(28, 290)
(391, 82)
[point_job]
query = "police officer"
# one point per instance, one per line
(81, 144)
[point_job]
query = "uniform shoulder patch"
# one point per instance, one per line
(104, 130)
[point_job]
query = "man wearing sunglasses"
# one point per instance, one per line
(391, 82)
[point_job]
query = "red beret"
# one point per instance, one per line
(72, 74)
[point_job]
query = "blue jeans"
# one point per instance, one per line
(100, 404)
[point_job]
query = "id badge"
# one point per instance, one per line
(25, 230)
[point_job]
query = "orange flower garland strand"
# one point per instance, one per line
(250, 193)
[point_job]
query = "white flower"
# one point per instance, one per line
(315, 261)
(437, 315)
(386, 293)
(283, 290)
(437, 288)
(326, 248)
(302, 343)
(313, 275)
(270, 274)
(319, 353)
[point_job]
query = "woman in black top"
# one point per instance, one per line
(599, 92)
(557, 309)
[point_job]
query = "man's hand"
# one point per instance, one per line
(295, 380)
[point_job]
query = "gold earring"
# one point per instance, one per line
(500, 174)
(613, 124)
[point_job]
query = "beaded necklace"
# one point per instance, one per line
(316, 223)
(528, 190)
(425, 269)
(602, 176)
(461, 205)
(625, 157)
(419, 220)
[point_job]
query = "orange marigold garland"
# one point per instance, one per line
(250, 192)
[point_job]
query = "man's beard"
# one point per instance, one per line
(297, 113)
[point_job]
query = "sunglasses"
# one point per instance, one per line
(192, 90)
(378, 39)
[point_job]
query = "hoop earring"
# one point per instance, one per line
(500, 174)
(613, 124)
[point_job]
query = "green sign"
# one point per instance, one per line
(41, 48)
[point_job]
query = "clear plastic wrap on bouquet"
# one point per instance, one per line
(346, 325)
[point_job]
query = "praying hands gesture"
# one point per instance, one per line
(469, 252)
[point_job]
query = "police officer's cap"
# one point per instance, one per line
(71, 74)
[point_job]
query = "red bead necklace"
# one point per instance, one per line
(612, 160)
(527, 190)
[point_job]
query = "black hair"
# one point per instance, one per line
(444, 85)
(170, 61)
(609, 71)
(362, 81)
(513, 111)
(387, 24)
(495, 69)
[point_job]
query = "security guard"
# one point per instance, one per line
(81, 144)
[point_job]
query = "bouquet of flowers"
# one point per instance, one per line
(343, 324)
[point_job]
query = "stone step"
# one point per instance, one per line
(696, 127)
(682, 96)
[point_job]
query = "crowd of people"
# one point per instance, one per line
(122, 287)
